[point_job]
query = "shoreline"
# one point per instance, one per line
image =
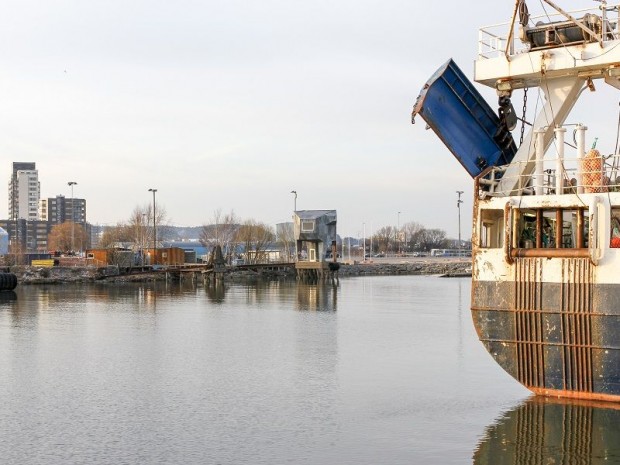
(31, 275)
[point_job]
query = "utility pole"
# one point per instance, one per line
(71, 184)
(294, 210)
(154, 229)
(458, 206)
(398, 232)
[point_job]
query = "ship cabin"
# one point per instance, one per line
(568, 207)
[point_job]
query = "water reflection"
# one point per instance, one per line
(551, 431)
(216, 292)
(317, 297)
(7, 296)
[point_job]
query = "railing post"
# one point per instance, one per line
(581, 151)
(559, 164)
(539, 179)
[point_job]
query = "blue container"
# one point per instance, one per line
(463, 120)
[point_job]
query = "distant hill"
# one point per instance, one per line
(180, 233)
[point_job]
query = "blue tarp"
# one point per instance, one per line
(4, 242)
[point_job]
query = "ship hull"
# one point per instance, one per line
(556, 338)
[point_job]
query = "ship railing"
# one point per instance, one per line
(576, 176)
(496, 39)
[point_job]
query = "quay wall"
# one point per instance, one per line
(60, 275)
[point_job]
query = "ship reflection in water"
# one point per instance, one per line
(550, 431)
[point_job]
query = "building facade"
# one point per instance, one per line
(24, 192)
(60, 209)
(26, 236)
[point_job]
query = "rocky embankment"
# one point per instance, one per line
(438, 267)
(62, 274)
(59, 275)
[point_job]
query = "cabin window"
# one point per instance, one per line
(615, 228)
(550, 229)
(307, 226)
(491, 229)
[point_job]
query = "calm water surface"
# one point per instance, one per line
(377, 370)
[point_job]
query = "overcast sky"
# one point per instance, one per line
(232, 104)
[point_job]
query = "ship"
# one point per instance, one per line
(545, 297)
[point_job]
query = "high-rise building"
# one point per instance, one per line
(24, 192)
(60, 209)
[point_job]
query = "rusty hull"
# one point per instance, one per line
(557, 339)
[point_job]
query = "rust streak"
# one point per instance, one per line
(574, 394)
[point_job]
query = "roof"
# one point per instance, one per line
(314, 214)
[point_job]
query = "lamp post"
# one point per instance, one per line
(364, 242)
(143, 222)
(154, 229)
(458, 206)
(71, 184)
(294, 210)
(294, 201)
(398, 232)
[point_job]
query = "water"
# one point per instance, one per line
(377, 370)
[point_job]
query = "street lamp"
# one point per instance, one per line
(364, 242)
(398, 232)
(144, 221)
(154, 229)
(294, 200)
(71, 184)
(458, 206)
(294, 210)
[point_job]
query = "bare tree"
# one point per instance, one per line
(384, 238)
(139, 226)
(433, 239)
(222, 231)
(161, 221)
(114, 234)
(412, 234)
(63, 235)
(138, 230)
(285, 237)
(16, 255)
(255, 236)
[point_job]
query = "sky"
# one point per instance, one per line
(233, 104)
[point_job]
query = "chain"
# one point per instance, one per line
(523, 117)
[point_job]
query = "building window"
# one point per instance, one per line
(307, 226)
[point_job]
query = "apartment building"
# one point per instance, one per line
(60, 209)
(24, 192)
